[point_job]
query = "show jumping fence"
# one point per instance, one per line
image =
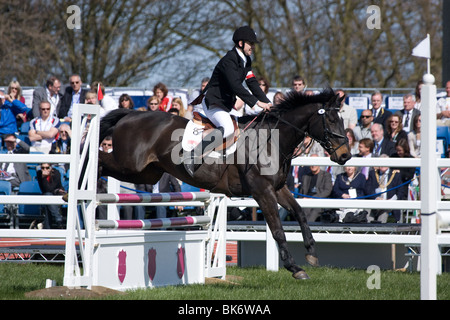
(82, 191)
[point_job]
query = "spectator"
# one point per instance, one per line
(15, 92)
(298, 83)
(349, 184)
(196, 93)
(365, 148)
(317, 183)
(73, 94)
(348, 114)
(278, 97)
(153, 103)
(15, 172)
(414, 137)
(408, 112)
(406, 173)
(10, 108)
(177, 103)
(101, 211)
(352, 142)
(380, 114)
(381, 145)
(394, 129)
(160, 90)
(443, 107)
(43, 129)
(418, 95)
(49, 180)
(362, 130)
(107, 103)
(381, 180)
(50, 93)
(62, 144)
(91, 98)
(126, 102)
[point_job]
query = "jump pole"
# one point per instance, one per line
(153, 223)
(104, 198)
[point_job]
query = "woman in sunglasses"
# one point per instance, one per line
(49, 180)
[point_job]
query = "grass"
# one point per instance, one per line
(251, 284)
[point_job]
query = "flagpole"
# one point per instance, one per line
(429, 59)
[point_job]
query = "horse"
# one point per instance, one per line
(143, 149)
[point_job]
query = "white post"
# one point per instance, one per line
(272, 252)
(430, 191)
(82, 188)
(113, 209)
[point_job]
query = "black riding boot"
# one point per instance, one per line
(194, 160)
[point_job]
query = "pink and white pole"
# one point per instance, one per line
(104, 198)
(153, 223)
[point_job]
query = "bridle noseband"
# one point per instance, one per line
(326, 143)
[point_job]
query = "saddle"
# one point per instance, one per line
(208, 126)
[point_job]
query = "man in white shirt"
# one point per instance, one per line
(74, 94)
(347, 113)
(443, 107)
(43, 129)
(50, 93)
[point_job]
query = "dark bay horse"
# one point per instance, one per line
(144, 148)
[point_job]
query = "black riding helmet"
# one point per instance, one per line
(244, 33)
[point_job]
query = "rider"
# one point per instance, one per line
(223, 87)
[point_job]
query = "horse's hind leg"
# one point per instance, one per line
(287, 201)
(268, 204)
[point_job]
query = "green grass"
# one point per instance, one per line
(252, 284)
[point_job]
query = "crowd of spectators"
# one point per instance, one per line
(378, 132)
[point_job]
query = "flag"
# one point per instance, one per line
(99, 93)
(422, 50)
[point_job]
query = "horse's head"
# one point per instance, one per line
(327, 128)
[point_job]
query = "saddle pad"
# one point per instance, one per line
(193, 135)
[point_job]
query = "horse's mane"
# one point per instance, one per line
(294, 99)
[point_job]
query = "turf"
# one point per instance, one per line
(245, 284)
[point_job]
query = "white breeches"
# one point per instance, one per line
(220, 118)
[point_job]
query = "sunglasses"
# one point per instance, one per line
(45, 168)
(365, 117)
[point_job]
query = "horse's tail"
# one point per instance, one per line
(110, 120)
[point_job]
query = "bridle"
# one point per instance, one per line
(325, 142)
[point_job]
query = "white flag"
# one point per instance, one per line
(422, 50)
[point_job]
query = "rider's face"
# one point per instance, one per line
(248, 49)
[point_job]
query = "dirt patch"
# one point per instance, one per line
(69, 293)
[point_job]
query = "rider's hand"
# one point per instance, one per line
(265, 106)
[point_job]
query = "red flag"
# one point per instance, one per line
(99, 93)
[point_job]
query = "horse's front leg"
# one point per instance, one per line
(268, 203)
(287, 201)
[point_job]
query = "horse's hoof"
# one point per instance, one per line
(313, 261)
(300, 275)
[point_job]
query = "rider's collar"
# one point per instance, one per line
(242, 55)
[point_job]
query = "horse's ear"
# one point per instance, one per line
(336, 101)
(332, 102)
